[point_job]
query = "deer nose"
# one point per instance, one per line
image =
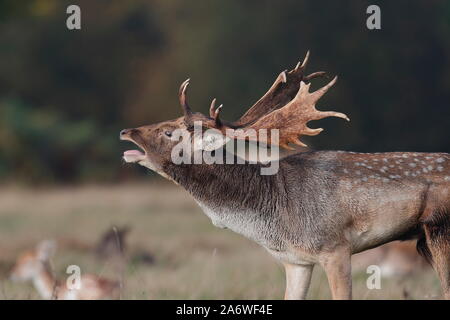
(124, 132)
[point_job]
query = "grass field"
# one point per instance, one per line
(193, 259)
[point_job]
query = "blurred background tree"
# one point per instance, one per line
(65, 95)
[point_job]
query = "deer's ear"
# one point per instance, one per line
(46, 249)
(209, 140)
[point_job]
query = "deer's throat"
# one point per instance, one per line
(236, 197)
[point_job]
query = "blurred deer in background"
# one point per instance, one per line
(34, 266)
(112, 243)
(320, 207)
(396, 259)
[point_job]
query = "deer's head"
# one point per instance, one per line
(287, 107)
(157, 141)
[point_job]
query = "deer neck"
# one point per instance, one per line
(44, 282)
(234, 196)
(223, 184)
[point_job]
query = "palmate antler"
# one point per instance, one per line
(280, 93)
(292, 119)
(288, 106)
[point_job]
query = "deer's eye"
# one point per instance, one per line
(168, 133)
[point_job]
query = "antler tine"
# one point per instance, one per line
(280, 79)
(183, 100)
(212, 108)
(314, 75)
(298, 142)
(214, 113)
(320, 92)
(312, 132)
(303, 64)
(217, 112)
(325, 114)
(305, 61)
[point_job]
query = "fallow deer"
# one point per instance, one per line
(321, 206)
(34, 265)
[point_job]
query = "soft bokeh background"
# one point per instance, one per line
(65, 95)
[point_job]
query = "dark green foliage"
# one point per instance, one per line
(65, 95)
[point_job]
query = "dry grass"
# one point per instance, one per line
(193, 259)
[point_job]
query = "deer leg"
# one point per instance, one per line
(438, 244)
(442, 266)
(337, 266)
(298, 278)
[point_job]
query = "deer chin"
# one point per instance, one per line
(141, 158)
(133, 156)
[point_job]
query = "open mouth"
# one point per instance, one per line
(133, 156)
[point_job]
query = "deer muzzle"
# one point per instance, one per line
(131, 156)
